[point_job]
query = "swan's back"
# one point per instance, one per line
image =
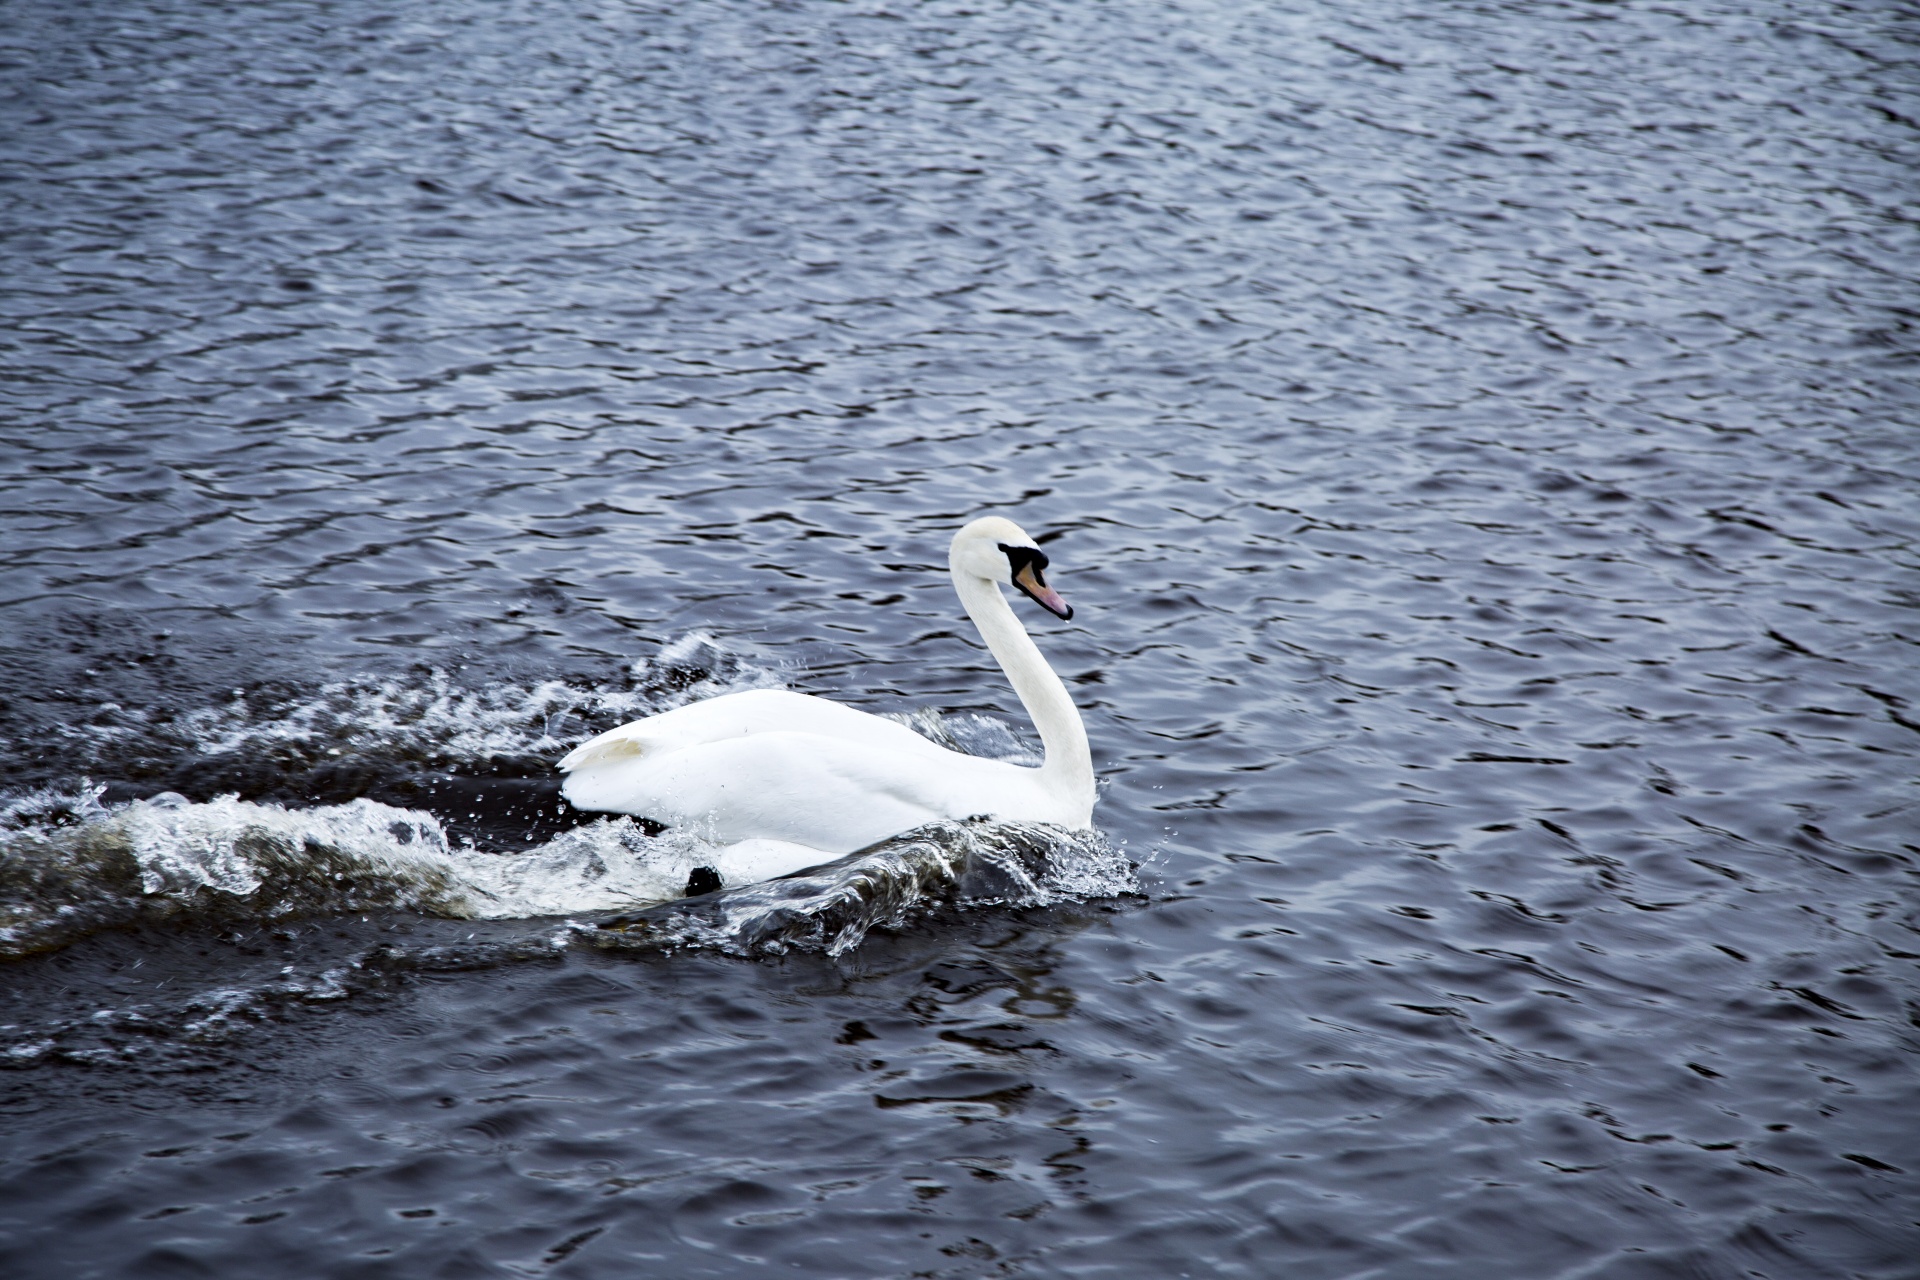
(735, 715)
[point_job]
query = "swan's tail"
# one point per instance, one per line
(612, 746)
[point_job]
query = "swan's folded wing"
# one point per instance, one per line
(737, 715)
(730, 715)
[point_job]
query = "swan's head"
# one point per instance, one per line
(999, 550)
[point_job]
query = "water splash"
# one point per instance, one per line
(435, 715)
(231, 861)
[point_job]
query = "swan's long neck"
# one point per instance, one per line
(1068, 770)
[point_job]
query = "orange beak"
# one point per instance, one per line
(1028, 579)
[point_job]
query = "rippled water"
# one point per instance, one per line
(1479, 440)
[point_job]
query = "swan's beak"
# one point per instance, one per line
(1028, 579)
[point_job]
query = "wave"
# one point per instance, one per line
(229, 861)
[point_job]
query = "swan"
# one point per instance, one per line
(784, 781)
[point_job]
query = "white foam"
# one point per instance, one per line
(367, 849)
(235, 847)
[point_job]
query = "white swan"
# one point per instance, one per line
(786, 781)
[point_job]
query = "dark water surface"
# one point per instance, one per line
(1480, 440)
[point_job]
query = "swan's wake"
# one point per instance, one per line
(229, 861)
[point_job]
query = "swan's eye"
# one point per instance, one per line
(1019, 558)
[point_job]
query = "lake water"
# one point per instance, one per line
(1479, 440)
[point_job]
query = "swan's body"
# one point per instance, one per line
(786, 781)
